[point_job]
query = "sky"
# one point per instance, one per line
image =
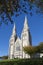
(35, 24)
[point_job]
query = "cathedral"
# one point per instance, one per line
(16, 44)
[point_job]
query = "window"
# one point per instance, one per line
(17, 47)
(24, 38)
(12, 40)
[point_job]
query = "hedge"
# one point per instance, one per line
(32, 61)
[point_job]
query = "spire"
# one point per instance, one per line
(14, 29)
(14, 35)
(26, 23)
(25, 20)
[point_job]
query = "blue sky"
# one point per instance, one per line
(36, 28)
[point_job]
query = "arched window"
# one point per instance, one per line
(17, 47)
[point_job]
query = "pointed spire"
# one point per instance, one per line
(26, 23)
(25, 20)
(14, 28)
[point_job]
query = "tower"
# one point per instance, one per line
(26, 37)
(12, 42)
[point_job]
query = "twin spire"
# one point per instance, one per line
(25, 25)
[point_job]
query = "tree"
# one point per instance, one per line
(30, 50)
(8, 8)
(40, 47)
(33, 49)
(4, 57)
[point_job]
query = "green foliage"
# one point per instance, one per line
(4, 57)
(36, 61)
(40, 47)
(30, 49)
(8, 8)
(34, 49)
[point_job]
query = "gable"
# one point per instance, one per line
(18, 45)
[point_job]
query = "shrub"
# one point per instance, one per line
(33, 61)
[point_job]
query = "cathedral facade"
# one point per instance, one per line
(16, 44)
